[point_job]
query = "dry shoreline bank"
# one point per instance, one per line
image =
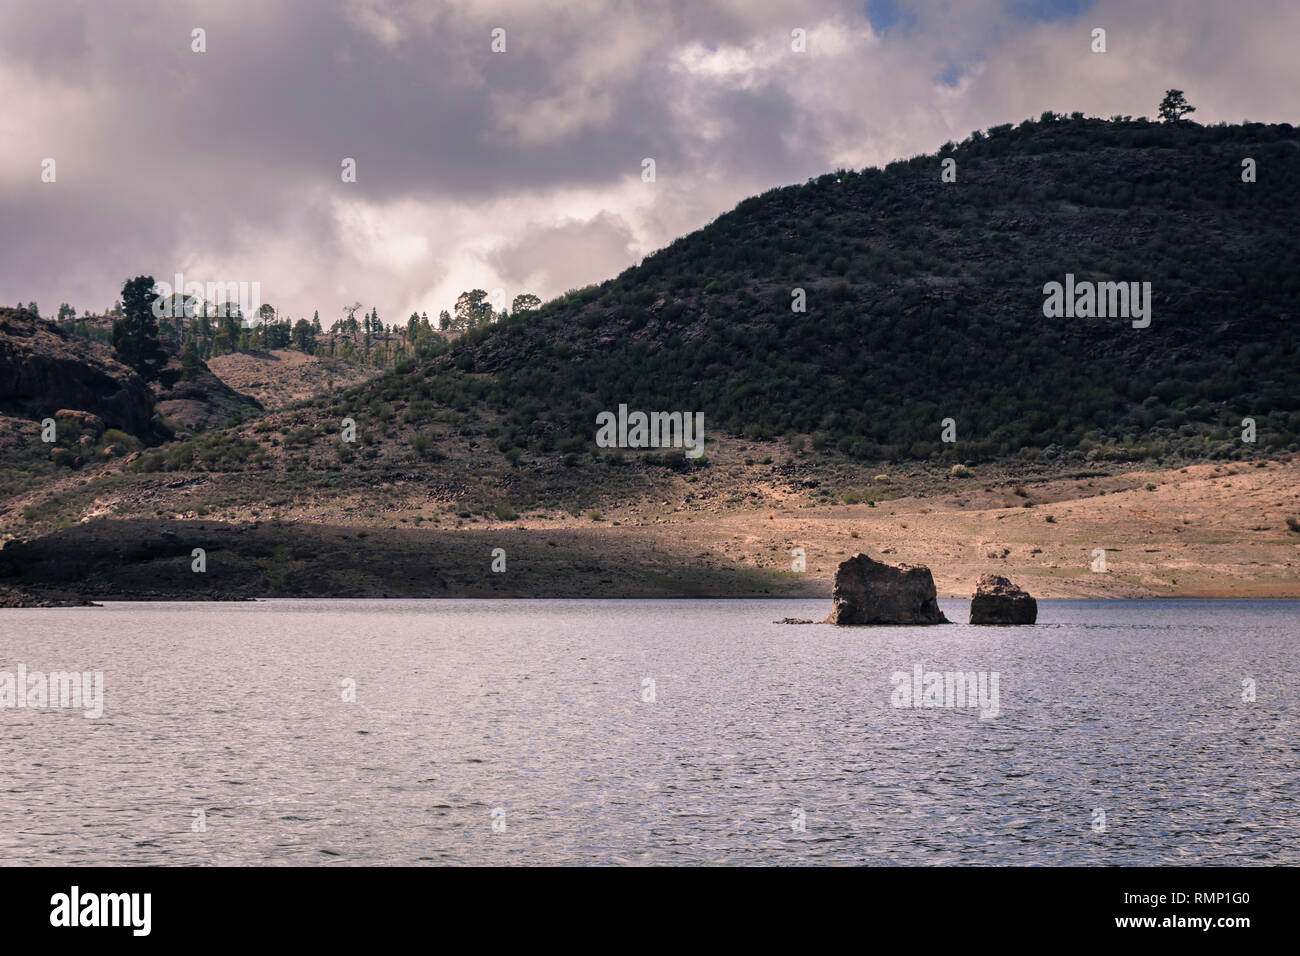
(1198, 532)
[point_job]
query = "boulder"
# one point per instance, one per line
(870, 592)
(81, 421)
(998, 601)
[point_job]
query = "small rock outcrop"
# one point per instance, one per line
(82, 421)
(202, 402)
(20, 597)
(998, 601)
(870, 592)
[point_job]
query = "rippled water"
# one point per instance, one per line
(537, 708)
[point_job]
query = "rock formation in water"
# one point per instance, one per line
(869, 592)
(998, 601)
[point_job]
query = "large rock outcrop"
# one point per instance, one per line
(998, 601)
(869, 592)
(44, 369)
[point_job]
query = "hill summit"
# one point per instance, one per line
(863, 309)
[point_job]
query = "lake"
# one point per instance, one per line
(652, 732)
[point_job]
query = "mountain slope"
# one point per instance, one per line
(925, 302)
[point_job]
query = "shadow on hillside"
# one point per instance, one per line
(147, 559)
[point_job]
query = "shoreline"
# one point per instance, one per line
(1212, 531)
(100, 602)
(155, 560)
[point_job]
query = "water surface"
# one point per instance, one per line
(538, 710)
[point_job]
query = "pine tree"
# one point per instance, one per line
(189, 360)
(1175, 106)
(135, 335)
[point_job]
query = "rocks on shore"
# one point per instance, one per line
(870, 592)
(20, 597)
(998, 601)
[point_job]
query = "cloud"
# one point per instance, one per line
(521, 170)
(563, 254)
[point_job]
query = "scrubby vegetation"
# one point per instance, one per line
(216, 451)
(924, 301)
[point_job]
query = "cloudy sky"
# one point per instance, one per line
(521, 170)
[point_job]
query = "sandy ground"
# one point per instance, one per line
(281, 377)
(1207, 530)
(1204, 531)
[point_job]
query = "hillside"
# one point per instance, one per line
(98, 405)
(924, 302)
(279, 378)
(199, 402)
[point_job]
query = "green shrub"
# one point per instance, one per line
(128, 443)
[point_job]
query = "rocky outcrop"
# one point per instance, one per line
(869, 592)
(82, 422)
(203, 402)
(44, 370)
(17, 597)
(998, 601)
